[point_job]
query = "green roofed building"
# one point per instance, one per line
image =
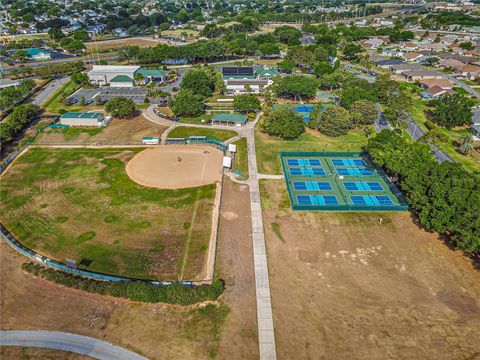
(122, 81)
(95, 119)
(36, 54)
(266, 74)
(152, 75)
(229, 119)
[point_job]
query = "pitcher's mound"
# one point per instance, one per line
(176, 166)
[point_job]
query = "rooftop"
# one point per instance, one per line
(122, 79)
(113, 69)
(237, 118)
(82, 115)
(151, 72)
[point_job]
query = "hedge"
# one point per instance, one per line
(132, 290)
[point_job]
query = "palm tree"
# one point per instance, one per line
(466, 144)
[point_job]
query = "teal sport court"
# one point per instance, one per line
(338, 181)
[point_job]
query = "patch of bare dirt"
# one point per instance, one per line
(344, 286)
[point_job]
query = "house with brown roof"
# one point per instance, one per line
(469, 72)
(409, 46)
(412, 56)
(435, 92)
(450, 63)
(429, 83)
(416, 75)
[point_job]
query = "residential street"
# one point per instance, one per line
(48, 90)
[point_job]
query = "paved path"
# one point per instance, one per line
(266, 335)
(48, 90)
(68, 342)
(270, 177)
(464, 86)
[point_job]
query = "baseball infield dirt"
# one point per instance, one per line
(176, 166)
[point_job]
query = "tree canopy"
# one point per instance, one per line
(187, 103)
(283, 122)
(120, 107)
(246, 103)
(445, 197)
(200, 81)
(297, 86)
(452, 110)
(335, 121)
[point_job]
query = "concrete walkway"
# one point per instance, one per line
(79, 344)
(266, 335)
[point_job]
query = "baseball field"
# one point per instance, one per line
(81, 204)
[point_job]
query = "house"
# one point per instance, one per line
(412, 56)
(450, 63)
(392, 53)
(386, 64)
(409, 46)
(118, 32)
(229, 119)
(6, 83)
(443, 83)
(469, 72)
(475, 128)
(400, 68)
(361, 23)
(383, 21)
(307, 39)
(95, 119)
(123, 76)
(435, 92)
(415, 75)
(35, 54)
(372, 43)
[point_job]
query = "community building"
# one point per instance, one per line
(229, 119)
(94, 119)
(247, 79)
(35, 54)
(124, 76)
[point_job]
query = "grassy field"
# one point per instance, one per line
(269, 148)
(241, 158)
(182, 132)
(54, 103)
(80, 204)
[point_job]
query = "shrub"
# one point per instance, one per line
(134, 290)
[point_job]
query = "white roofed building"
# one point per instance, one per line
(103, 74)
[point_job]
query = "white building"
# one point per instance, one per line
(123, 76)
(94, 119)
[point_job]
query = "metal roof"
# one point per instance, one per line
(237, 118)
(122, 79)
(151, 72)
(113, 69)
(82, 115)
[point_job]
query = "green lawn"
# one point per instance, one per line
(241, 158)
(268, 148)
(183, 131)
(471, 161)
(80, 204)
(202, 119)
(54, 102)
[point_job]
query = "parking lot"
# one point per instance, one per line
(137, 94)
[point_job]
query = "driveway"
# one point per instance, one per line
(84, 345)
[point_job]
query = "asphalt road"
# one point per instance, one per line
(49, 89)
(464, 86)
(84, 345)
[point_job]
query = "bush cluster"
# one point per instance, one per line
(132, 290)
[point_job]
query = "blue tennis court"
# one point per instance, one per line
(321, 200)
(362, 186)
(304, 162)
(312, 186)
(307, 172)
(348, 162)
(371, 200)
(354, 172)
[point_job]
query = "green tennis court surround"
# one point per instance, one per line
(338, 181)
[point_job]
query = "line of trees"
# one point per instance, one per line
(20, 117)
(12, 95)
(445, 197)
(134, 290)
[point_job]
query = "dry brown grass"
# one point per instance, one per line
(344, 286)
(118, 43)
